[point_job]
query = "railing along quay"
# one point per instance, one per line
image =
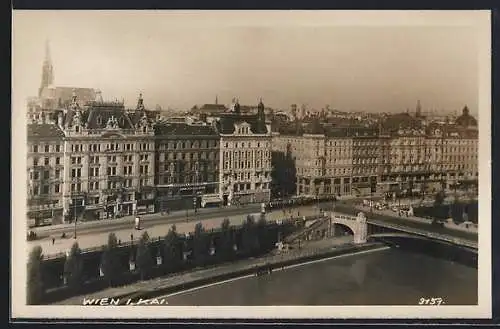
(129, 243)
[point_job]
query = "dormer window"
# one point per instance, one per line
(99, 120)
(122, 121)
(77, 129)
(144, 129)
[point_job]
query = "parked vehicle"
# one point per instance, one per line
(137, 223)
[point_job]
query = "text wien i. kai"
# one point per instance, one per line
(125, 302)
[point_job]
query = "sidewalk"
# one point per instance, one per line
(145, 217)
(154, 232)
(393, 214)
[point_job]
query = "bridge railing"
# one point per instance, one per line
(436, 236)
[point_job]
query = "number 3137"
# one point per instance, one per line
(431, 301)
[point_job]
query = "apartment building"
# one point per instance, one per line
(45, 169)
(108, 160)
(245, 156)
(187, 165)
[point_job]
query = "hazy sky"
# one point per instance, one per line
(186, 58)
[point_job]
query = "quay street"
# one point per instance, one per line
(157, 227)
(155, 230)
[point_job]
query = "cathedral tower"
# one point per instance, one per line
(47, 70)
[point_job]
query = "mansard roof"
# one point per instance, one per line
(226, 123)
(44, 130)
(183, 129)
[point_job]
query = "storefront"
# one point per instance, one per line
(93, 212)
(45, 216)
(211, 201)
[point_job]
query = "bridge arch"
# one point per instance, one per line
(357, 224)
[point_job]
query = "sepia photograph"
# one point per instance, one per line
(251, 164)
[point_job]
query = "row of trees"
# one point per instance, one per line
(174, 253)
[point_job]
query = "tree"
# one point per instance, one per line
(249, 235)
(34, 287)
(226, 242)
(172, 249)
(73, 267)
(200, 244)
(144, 260)
(110, 264)
(262, 233)
(439, 198)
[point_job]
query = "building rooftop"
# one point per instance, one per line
(227, 121)
(183, 129)
(44, 130)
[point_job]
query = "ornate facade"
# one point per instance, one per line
(109, 160)
(245, 157)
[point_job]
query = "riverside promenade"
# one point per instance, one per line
(176, 283)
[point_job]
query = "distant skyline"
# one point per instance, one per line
(181, 59)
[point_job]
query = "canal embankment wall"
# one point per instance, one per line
(223, 272)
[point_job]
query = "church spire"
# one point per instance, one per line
(47, 70)
(47, 52)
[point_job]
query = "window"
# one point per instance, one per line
(47, 148)
(35, 161)
(93, 186)
(58, 160)
(111, 171)
(127, 170)
(58, 173)
(76, 160)
(76, 172)
(94, 159)
(76, 187)
(143, 169)
(46, 161)
(45, 189)
(46, 174)
(94, 172)
(58, 148)
(35, 148)
(57, 188)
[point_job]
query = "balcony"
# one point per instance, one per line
(115, 178)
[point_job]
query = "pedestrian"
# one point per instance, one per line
(119, 242)
(53, 240)
(131, 237)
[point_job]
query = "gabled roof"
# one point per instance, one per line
(44, 130)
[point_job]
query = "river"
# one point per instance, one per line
(384, 277)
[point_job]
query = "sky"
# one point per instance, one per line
(374, 62)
